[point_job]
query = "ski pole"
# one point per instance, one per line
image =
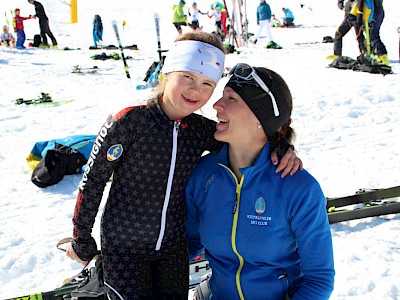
(398, 30)
(115, 27)
(157, 24)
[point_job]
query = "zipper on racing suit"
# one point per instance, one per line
(175, 132)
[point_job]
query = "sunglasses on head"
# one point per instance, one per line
(247, 73)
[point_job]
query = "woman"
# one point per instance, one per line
(265, 238)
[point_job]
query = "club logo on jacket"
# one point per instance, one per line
(260, 206)
(114, 152)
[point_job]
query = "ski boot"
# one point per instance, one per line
(332, 57)
(381, 59)
(272, 45)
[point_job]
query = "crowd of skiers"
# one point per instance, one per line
(184, 15)
(217, 11)
(365, 16)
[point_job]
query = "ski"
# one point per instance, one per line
(157, 25)
(56, 294)
(44, 98)
(77, 69)
(368, 203)
(81, 284)
(115, 27)
(111, 47)
(398, 31)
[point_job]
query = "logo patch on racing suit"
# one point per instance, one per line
(114, 152)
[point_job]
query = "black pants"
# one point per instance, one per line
(45, 30)
(343, 29)
(146, 277)
(288, 22)
(178, 26)
(376, 43)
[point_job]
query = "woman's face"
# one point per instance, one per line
(236, 122)
(185, 92)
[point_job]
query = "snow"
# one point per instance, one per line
(347, 126)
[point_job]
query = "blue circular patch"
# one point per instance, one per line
(114, 152)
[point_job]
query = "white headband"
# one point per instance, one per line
(196, 57)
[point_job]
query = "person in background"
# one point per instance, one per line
(194, 13)
(348, 22)
(275, 21)
(43, 24)
(149, 150)
(179, 17)
(97, 31)
(264, 21)
(379, 51)
(370, 14)
(216, 13)
(264, 237)
(7, 38)
(18, 23)
(224, 15)
(288, 17)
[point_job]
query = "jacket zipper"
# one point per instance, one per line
(235, 213)
(175, 132)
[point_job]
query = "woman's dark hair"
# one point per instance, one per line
(285, 135)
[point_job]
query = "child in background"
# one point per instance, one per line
(19, 28)
(7, 39)
(194, 13)
(216, 13)
(275, 21)
(179, 18)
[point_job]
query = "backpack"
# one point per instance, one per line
(60, 161)
(360, 64)
(327, 39)
(37, 40)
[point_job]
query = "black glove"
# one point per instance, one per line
(86, 249)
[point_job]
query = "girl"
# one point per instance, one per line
(7, 39)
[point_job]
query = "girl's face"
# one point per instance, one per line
(236, 122)
(185, 92)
